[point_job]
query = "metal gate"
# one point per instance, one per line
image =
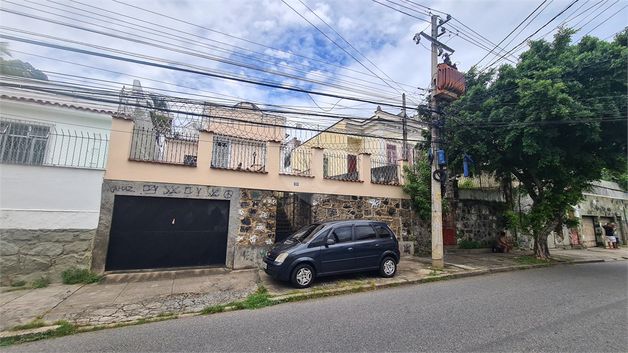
(159, 232)
(294, 212)
(588, 228)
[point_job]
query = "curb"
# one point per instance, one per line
(29, 332)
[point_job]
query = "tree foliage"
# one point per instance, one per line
(553, 122)
(418, 186)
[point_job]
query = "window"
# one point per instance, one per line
(391, 154)
(364, 233)
(352, 163)
(221, 152)
(23, 142)
(382, 231)
(342, 234)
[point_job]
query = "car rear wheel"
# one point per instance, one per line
(388, 267)
(302, 276)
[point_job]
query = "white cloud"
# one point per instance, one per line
(345, 23)
(225, 31)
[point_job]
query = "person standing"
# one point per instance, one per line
(609, 229)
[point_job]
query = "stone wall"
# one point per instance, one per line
(478, 220)
(258, 218)
(28, 254)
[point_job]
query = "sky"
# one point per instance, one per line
(350, 55)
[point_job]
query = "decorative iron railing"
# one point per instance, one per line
(25, 142)
(239, 154)
(341, 166)
(383, 170)
(164, 147)
(295, 161)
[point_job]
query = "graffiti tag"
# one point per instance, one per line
(127, 188)
(150, 189)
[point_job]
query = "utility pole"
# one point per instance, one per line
(404, 154)
(438, 258)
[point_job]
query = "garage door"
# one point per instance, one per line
(157, 232)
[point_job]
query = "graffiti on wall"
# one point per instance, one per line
(169, 190)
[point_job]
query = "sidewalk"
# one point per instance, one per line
(130, 297)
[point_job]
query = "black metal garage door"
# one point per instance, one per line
(159, 232)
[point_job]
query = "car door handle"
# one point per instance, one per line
(350, 249)
(377, 245)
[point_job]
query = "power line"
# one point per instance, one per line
(354, 48)
(195, 54)
(511, 32)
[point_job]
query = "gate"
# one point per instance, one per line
(294, 212)
(160, 232)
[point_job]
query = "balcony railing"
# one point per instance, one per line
(239, 154)
(295, 161)
(164, 147)
(384, 170)
(341, 166)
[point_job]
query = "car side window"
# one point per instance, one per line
(365, 232)
(320, 239)
(383, 232)
(342, 234)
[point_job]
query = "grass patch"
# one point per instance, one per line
(165, 314)
(530, 260)
(30, 325)
(213, 309)
(65, 330)
(41, 282)
(18, 284)
(74, 276)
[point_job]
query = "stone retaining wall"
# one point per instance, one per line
(26, 255)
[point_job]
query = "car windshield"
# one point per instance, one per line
(306, 233)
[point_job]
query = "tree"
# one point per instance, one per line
(418, 186)
(17, 67)
(553, 123)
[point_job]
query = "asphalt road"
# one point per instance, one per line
(572, 308)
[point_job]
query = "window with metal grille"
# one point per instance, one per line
(391, 154)
(23, 142)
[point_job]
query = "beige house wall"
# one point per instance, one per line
(119, 167)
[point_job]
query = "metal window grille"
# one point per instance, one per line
(240, 154)
(164, 147)
(383, 170)
(338, 165)
(295, 161)
(24, 142)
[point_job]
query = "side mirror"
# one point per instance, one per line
(330, 241)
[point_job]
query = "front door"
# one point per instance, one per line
(340, 256)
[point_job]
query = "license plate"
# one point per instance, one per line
(264, 265)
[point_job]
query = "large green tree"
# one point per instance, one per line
(553, 122)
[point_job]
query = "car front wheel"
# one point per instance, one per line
(388, 267)
(302, 276)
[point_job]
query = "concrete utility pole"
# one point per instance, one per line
(438, 259)
(404, 154)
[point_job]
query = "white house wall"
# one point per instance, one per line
(49, 214)
(43, 197)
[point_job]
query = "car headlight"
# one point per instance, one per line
(282, 257)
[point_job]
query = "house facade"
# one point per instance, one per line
(53, 153)
(243, 182)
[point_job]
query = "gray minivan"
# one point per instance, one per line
(333, 247)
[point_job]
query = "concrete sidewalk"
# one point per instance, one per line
(128, 297)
